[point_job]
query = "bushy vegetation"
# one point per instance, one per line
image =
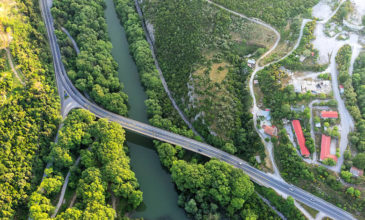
(357, 99)
(104, 169)
(94, 70)
(279, 13)
(285, 206)
(208, 74)
(29, 115)
(343, 12)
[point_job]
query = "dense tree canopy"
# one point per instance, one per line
(212, 183)
(94, 70)
(104, 167)
(29, 114)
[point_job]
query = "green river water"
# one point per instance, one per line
(159, 194)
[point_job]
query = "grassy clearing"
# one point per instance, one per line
(219, 72)
(310, 210)
(212, 78)
(259, 96)
(281, 50)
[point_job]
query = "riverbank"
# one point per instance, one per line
(159, 194)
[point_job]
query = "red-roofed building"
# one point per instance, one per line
(356, 172)
(326, 148)
(329, 114)
(300, 138)
(342, 89)
(270, 130)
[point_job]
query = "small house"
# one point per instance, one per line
(342, 89)
(251, 61)
(356, 172)
(270, 130)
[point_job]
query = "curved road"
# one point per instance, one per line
(192, 145)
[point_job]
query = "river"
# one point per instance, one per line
(159, 194)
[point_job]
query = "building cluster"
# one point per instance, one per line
(300, 138)
(325, 142)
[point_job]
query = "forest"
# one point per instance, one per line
(93, 71)
(211, 62)
(29, 114)
(101, 182)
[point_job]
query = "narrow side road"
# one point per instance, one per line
(72, 40)
(13, 67)
(63, 190)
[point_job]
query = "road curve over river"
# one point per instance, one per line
(192, 145)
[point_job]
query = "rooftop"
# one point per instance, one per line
(326, 147)
(270, 130)
(329, 114)
(356, 172)
(300, 138)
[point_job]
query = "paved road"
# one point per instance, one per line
(189, 144)
(347, 122)
(74, 44)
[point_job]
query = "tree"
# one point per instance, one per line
(229, 148)
(359, 160)
(346, 175)
(167, 154)
(329, 162)
(191, 207)
(70, 213)
(347, 154)
(60, 157)
(357, 193)
(350, 191)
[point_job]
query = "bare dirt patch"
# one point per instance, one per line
(219, 72)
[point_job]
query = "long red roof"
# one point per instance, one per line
(326, 147)
(329, 114)
(300, 137)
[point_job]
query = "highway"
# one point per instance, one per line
(201, 148)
